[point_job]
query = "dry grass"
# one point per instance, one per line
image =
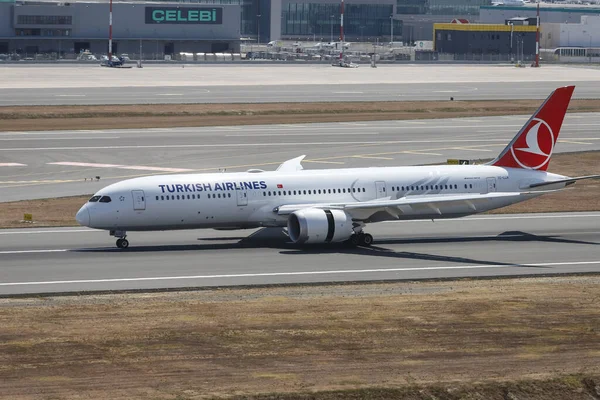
(583, 196)
(16, 118)
(249, 341)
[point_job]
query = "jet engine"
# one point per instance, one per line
(315, 225)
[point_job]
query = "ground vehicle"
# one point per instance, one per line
(114, 62)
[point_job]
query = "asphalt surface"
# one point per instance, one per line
(63, 163)
(76, 259)
(250, 83)
(291, 93)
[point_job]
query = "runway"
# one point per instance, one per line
(63, 163)
(90, 85)
(75, 259)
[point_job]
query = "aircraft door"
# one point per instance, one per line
(380, 189)
(139, 199)
(242, 198)
(491, 185)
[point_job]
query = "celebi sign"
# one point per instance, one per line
(184, 15)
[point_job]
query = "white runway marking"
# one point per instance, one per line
(12, 164)
(171, 94)
(178, 146)
(69, 95)
(117, 166)
(295, 273)
(32, 232)
(303, 134)
(34, 251)
(37, 139)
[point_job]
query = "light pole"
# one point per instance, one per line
(331, 17)
(512, 28)
(391, 30)
(258, 28)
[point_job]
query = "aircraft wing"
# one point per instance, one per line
(295, 164)
(388, 205)
(567, 182)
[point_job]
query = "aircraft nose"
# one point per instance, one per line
(83, 216)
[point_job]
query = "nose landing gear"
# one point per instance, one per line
(122, 243)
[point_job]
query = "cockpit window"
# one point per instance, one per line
(105, 199)
(94, 199)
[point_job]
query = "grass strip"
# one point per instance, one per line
(15, 118)
(316, 342)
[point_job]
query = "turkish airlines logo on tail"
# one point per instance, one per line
(533, 148)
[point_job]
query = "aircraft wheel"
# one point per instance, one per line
(366, 239)
(122, 243)
(354, 240)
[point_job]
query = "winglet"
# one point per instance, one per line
(295, 164)
(532, 147)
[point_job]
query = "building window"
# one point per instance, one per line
(44, 20)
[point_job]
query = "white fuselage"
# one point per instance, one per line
(251, 199)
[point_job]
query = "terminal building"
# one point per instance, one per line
(159, 27)
(174, 26)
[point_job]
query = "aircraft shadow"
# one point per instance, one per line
(274, 238)
(510, 236)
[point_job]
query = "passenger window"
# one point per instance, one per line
(162, 197)
(305, 192)
(105, 199)
(319, 191)
(94, 199)
(471, 185)
(188, 196)
(279, 192)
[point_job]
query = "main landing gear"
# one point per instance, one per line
(122, 243)
(361, 239)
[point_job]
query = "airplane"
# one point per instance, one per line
(335, 205)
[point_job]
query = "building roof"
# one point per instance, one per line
(548, 7)
(484, 27)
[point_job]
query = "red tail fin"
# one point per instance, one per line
(533, 145)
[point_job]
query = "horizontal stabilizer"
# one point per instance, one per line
(568, 181)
